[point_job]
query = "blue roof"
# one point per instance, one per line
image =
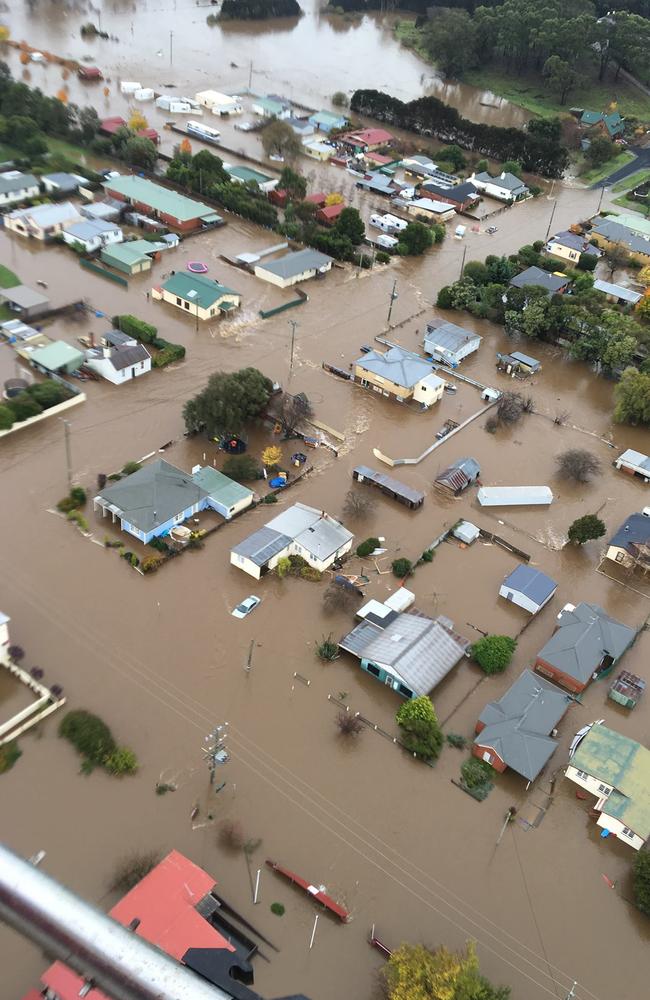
(531, 582)
(636, 531)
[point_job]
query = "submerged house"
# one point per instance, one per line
(399, 375)
(301, 531)
(409, 653)
(528, 588)
(536, 277)
(516, 731)
(635, 463)
(449, 343)
(159, 497)
(293, 267)
(630, 546)
(204, 298)
(119, 363)
(504, 186)
(390, 487)
(586, 642)
(616, 770)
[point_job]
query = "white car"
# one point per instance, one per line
(246, 606)
(244, 126)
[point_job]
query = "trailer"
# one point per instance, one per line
(515, 496)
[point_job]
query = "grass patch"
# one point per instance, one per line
(7, 278)
(62, 148)
(411, 38)
(629, 183)
(631, 205)
(599, 173)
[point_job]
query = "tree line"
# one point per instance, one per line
(256, 10)
(538, 147)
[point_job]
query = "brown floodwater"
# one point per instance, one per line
(162, 660)
(163, 42)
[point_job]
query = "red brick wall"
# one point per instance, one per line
(495, 760)
(569, 683)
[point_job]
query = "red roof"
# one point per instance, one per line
(380, 158)
(90, 73)
(111, 125)
(367, 137)
(317, 199)
(149, 133)
(330, 212)
(164, 902)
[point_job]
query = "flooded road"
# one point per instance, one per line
(162, 660)
(167, 42)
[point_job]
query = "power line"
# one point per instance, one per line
(534, 915)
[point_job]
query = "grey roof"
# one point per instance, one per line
(397, 365)
(449, 336)
(636, 458)
(9, 183)
(531, 582)
(107, 209)
(90, 229)
(153, 495)
(380, 183)
(313, 529)
(117, 338)
(459, 474)
(618, 290)
(615, 232)
(421, 651)
(394, 485)
(517, 726)
(537, 276)
(574, 242)
(460, 193)
(48, 215)
(296, 263)
(508, 181)
(123, 357)
(584, 636)
(64, 182)
(635, 531)
(525, 359)
(262, 545)
(24, 296)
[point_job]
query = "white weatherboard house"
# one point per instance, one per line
(300, 530)
(92, 234)
(16, 186)
(294, 267)
(218, 103)
(528, 588)
(504, 187)
(616, 770)
(449, 343)
(634, 463)
(399, 375)
(119, 363)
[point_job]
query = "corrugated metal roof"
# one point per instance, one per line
(197, 289)
(394, 485)
(139, 189)
(57, 355)
(262, 545)
(625, 764)
(618, 290)
(14, 180)
(515, 496)
(397, 365)
(636, 458)
(296, 263)
(536, 276)
(221, 488)
(24, 296)
(314, 530)
(531, 582)
(448, 337)
(583, 638)
(153, 495)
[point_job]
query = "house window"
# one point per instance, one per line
(620, 557)
(583, 775)
(212, 312)
(186, 305)
(178, 301)
(178, 518)
(604, 789)
(402, 688)
(628, 833)
(372, 669)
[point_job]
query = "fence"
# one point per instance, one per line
(90, 265)
(505, 544)
(302, 298)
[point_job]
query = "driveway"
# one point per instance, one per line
(640, 162)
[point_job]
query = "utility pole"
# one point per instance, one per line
(462, 263)
(215, 751)
(550, 221)
(68, 454)
(249, 662)
(250, 75)
(600, 200)
(572, 992)
(393, 296)
(293, 324)
(171, 47)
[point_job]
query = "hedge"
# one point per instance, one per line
(172, 352)
(135, 327)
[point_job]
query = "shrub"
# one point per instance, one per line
(421, 733)
(445, 298)
(90, 736)
(132, 869)
(427, 555)
(135, 327)
(160, 545)
(456, 740)
(641, 881)
(75, 498)
(309, 573)
(338, 597)
(23, 407)
(475, 772)
(230, 835)
(277, 908)
(327, 649)
(585, 528)
(367, 547)
(15, 653)
(152, 563)
(270, 498)
(272, 456)
(122, 761)
(283, 567)
(348, 724)
(78, 518)
(242, 467)
(6, 418)
(170, 353)
(382, 257)
(78, 494)
(401, 568)
(9, 754)
(358, 504)
(47, 393)
(340, 99)
(297, 564)
(130, 468)
(493, 653)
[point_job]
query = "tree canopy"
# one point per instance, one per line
(228, 402)
(585, 528)
(415, 972)
(632, 395)
(279, 139)
(421, 732)
(493, 653)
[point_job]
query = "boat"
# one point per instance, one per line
(316, 891)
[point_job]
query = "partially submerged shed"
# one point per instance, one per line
(391, 487)
(458, 476)
(627, 689)
(635, 463)
(528, 588)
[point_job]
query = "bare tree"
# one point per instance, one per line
(348, 724)
(510, 407)
(561, 417)
(339, 598)
(616, 258)
(578, 464)
(132, 869)
(358, 504)
(292, 411)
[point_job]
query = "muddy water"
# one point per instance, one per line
(162, 660)
(307, 59)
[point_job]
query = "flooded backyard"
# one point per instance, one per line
(162, 660)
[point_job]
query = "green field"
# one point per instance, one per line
(7, 278)
(7, 152)
(600, 173)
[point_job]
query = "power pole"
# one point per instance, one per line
(600, 200)
(393, 296)
(550, 221)
(293, 324)
(215, 751)
(462, 263)
(250, 75)
(572, 992)
(249, 662)
(171, 49)
(68, 454)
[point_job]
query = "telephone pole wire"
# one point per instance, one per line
(393, 296)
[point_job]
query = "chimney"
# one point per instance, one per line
(92, 338)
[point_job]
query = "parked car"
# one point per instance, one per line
(246, 606)
(244, 126)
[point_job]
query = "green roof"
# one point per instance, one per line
(246, 174)
(125, 253)
(57, 355)
(591, 117)
(625, 764)
(159, 198)
(196, 288)
(633, 222)
(220, 487)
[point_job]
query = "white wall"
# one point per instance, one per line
(588, 782)
(616, 827)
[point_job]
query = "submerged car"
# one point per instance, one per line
(246, 606)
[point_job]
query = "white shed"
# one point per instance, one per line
(634, 463)
(514, 496)
(528, 588)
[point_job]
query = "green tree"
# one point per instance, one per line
(450, 38)
(601, 150)
(454, 156)
(293, 183)
(228, 402)
(512, 167)
(340, 99)
(121, 761)
(562, 77)
(140, 152)
(6, 418)
(242, 467)
(493, 653)
(585, 528)
(421, 732)
(279, 139)
(632, 395)
(445, 298)
(416, 238)
(641, 881)
(88, 734)
(350, 224)
(414, 972)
